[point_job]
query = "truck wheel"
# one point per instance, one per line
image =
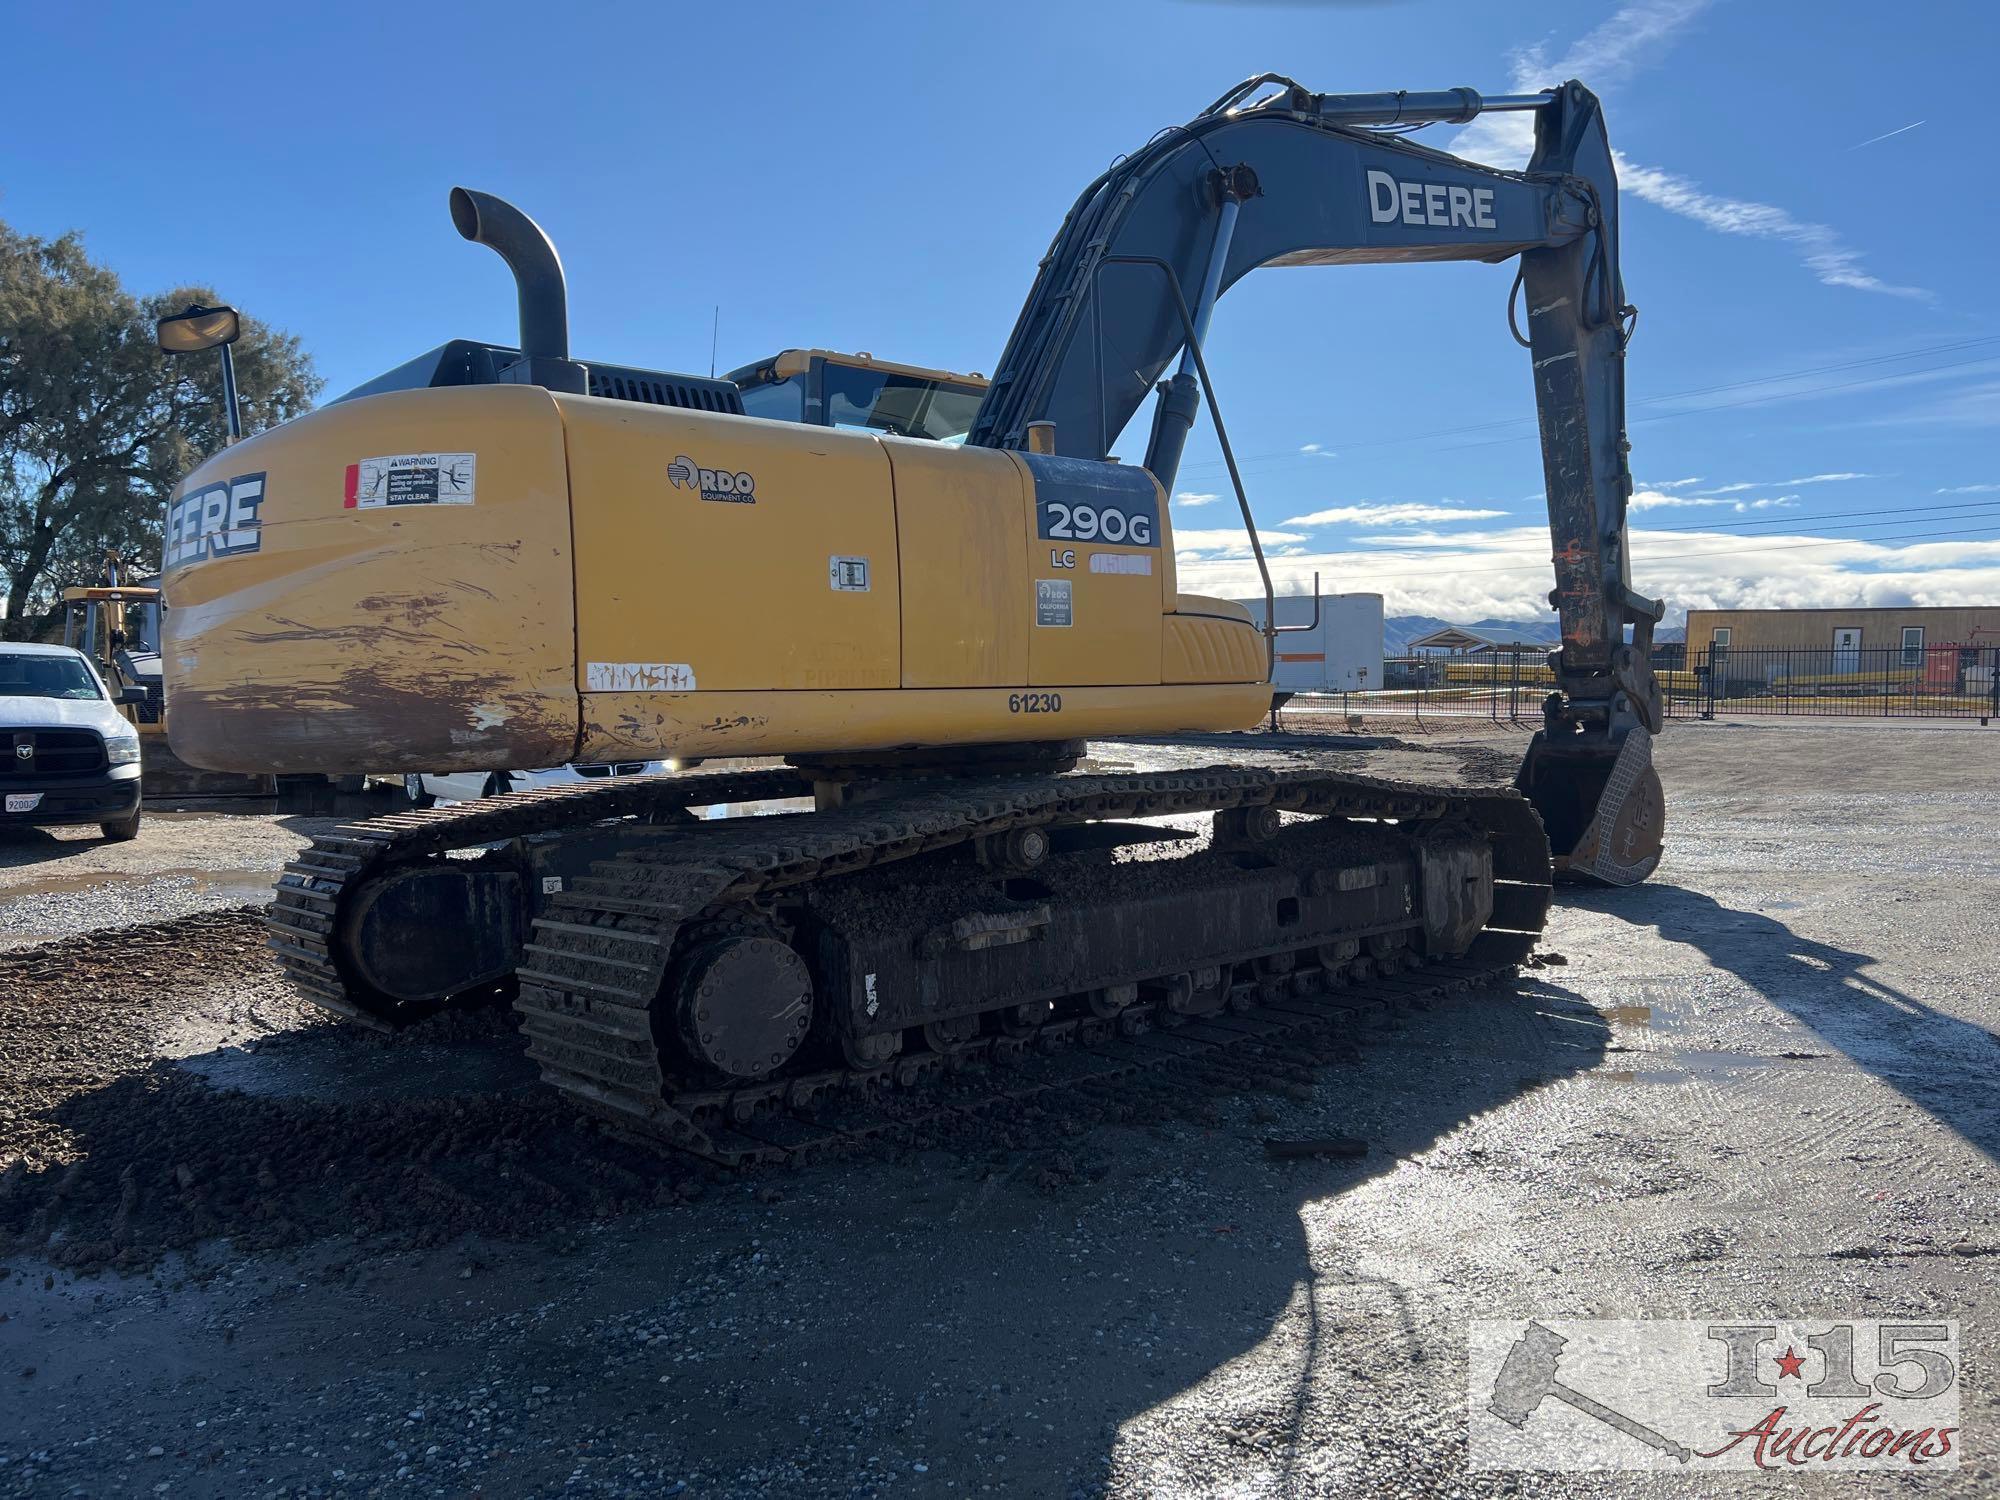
(119, 830)
(413, 788)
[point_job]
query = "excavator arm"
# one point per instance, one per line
(1296, 178)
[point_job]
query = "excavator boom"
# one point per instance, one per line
(1302, 179)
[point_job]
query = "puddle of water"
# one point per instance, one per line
(1682, 1067)
(336, 1069)
(1629, 1015)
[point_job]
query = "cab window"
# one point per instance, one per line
(780, 400)
(901, 404)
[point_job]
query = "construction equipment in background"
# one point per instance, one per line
(116, 623)
(508, 557)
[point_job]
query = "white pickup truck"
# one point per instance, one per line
(69, 755)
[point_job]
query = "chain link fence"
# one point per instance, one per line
(1507, 687)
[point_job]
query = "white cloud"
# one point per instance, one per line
(1962, 406)
(1504, 574)
(1309, 447)
(1654, 500)
(1631, 37)
(1827, 478)
(1676, 484)
(1826, 255)
(1635, 35)
(1729, 489)
(1971, 489)
(1391, 514)
(1190, 497)
(1230, 541)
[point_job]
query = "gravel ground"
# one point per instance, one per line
(250, 1252)
(55, 882)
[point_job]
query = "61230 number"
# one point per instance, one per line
(1034, 703)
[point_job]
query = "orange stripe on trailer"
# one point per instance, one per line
(1301, 656)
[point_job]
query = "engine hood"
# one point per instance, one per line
(64, 713)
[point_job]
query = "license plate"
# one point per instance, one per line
(23, 801)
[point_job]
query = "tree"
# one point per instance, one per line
(97, 424)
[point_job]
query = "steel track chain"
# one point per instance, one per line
(601, 951)
(305, 909)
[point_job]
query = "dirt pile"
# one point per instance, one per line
(112, 1153)
(121, 1139)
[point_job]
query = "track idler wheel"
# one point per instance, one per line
(1026, 1019)
(743, 1005)
(1015, 852)
(1247, 825)
(868, 1053)
(951, 1033)
(1109, 1003)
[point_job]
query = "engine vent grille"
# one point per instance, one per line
(653, 389)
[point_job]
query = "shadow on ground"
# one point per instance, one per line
(1937, 1061)
(21, 845)
(1039, 1274)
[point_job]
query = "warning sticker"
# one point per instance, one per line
(1052, 601)
(638, 677)
(411, 479)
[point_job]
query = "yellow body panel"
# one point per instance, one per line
(960, 517)
(738, 591)
(419, 637)
(1115, 636)
(630, 725)
(612, 580)
(1205, 642)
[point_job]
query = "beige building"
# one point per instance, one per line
(1842, 631)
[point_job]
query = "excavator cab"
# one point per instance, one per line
(861, 391)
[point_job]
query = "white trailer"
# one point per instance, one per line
(1344, 655)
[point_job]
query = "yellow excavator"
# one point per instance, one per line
(511, 557)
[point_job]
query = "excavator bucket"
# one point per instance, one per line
(1600, 801)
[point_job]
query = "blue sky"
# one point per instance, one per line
(1809, 232)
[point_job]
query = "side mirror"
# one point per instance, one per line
(134, 695)
(198, 328)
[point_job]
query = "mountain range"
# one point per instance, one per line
(1399, 630)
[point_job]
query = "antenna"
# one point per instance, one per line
(714, 333)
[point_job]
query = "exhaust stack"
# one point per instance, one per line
(538, 281)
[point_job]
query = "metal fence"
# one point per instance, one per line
(1913, 682)
(1507, 688)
